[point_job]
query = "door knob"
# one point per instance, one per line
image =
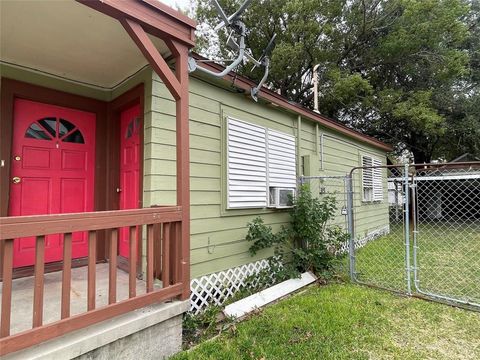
(119, 190)
(16, 180)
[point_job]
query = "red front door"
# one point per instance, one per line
(130, 127)
(53, 162)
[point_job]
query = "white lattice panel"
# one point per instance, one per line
(216, 288)
(359, 243)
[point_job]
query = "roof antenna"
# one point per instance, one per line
(315, 88)
(236, 41)
(263, 60)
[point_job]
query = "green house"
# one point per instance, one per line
(321, 147)
(117, 170)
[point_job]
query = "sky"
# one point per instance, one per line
(182, 4)
(211, 51)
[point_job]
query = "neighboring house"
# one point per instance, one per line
(152, 176)
(444, 191)
(450, 192)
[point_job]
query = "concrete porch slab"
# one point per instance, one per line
(22, 295)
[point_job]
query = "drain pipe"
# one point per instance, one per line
(315, 88)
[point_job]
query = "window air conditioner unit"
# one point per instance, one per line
(281, 197)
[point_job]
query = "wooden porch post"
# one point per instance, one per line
(183, 160)
(177, 84)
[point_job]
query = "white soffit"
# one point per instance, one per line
(68, 39)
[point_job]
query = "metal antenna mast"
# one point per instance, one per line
(236, 41)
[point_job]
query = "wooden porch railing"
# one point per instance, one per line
(163, 231)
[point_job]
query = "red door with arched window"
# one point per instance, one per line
(53, 164)
(130, 127)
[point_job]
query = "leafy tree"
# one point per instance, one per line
(461, 105)
(405, 71)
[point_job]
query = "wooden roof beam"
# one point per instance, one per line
(148, 49)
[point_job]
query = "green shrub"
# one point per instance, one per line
(309, 243)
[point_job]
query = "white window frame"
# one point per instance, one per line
(273, 165)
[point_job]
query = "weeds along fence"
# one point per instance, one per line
(369, 222)
(333, 186)
(413, 229)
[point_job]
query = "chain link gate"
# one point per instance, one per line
(379, 245)
(420, 233)
(446, 234)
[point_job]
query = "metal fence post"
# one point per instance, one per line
(415, 233)
(351, 243)
(407, 228)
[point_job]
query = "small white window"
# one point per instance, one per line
(259, 161)
(372, 179)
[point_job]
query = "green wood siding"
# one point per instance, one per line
(217, 234)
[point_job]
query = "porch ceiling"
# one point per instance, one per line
(71, 40)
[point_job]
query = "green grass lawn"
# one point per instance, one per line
(345, 321)
(448, 259)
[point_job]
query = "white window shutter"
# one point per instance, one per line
(367, 178)
(282, 168)
(377, 181)
(247, 165)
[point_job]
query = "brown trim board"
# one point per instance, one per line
(157, 19)
(135, 95)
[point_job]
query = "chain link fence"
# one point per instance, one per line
(446, 234)
(413, 229)
(416, 229)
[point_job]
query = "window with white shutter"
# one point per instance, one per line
(247, 165)
(372, 180)
(282, 167)
(367, 178)
(258, 160)
(377, 181)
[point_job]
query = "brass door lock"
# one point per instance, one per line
(16, 180)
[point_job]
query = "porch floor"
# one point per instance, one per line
(22, 295)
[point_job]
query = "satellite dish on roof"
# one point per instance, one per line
(236, 42)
